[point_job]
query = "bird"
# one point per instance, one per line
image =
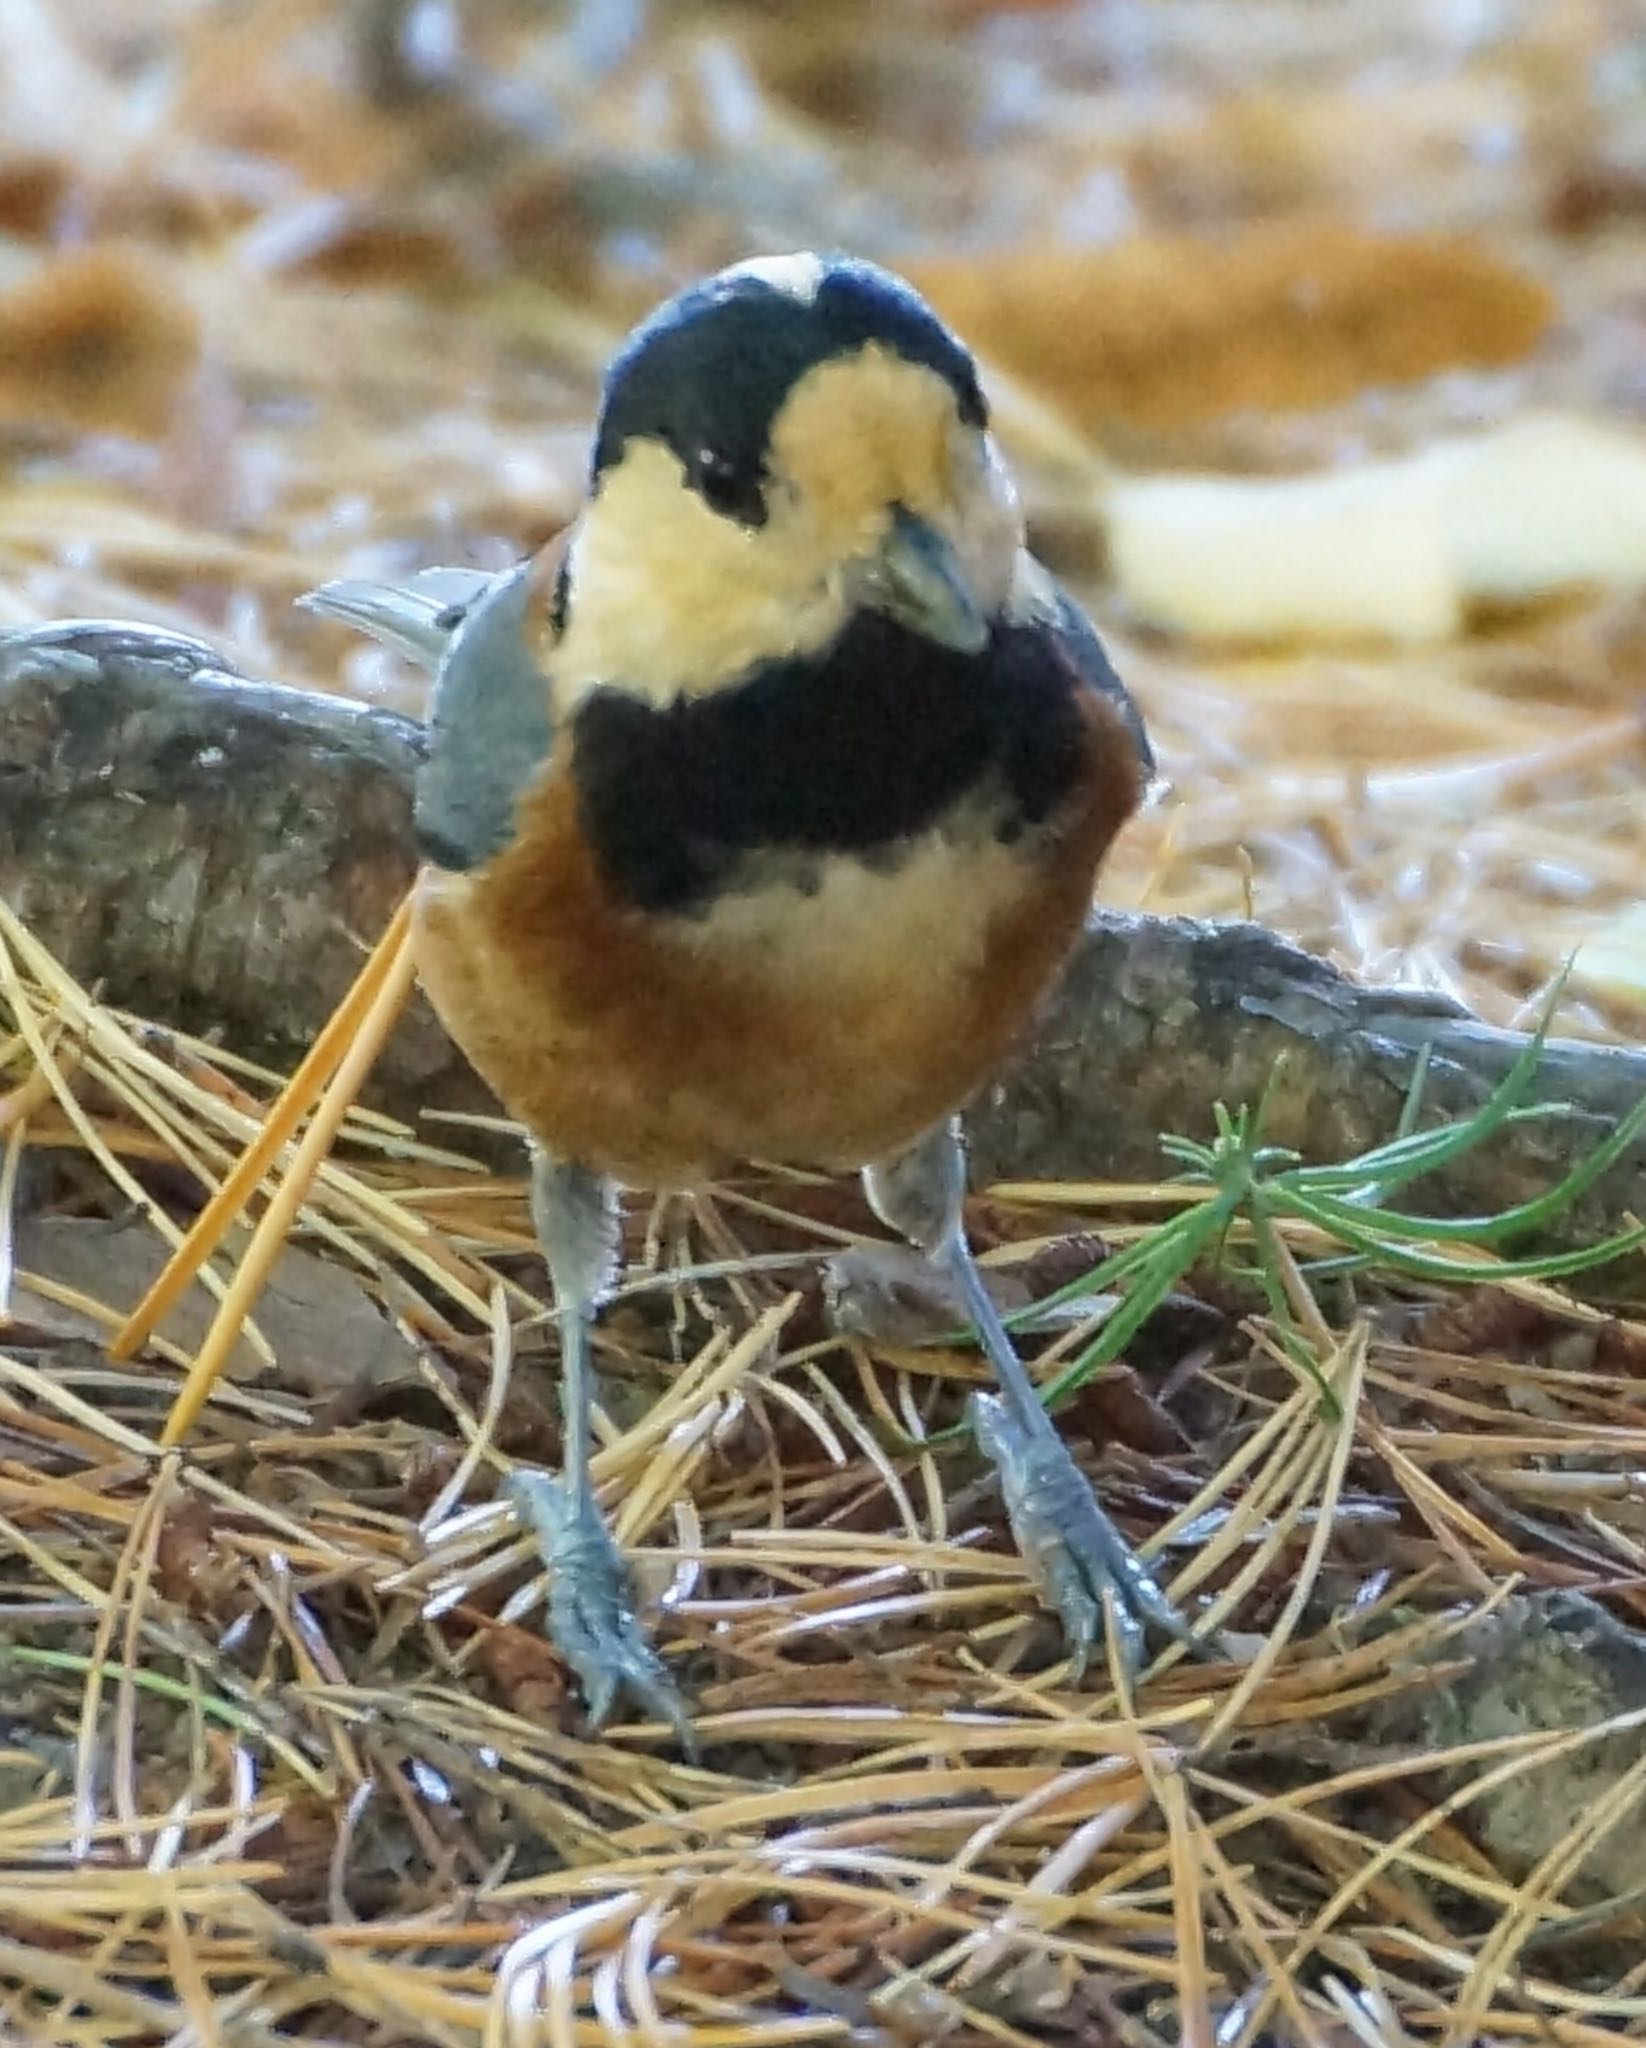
(759, 812)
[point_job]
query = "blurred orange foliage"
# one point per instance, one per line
(97, 338)
(1171, 331)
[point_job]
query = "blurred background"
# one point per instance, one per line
(1316, 334)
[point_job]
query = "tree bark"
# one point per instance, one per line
(1159, 1019)
(214, 852)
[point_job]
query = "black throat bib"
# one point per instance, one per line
(852, 751)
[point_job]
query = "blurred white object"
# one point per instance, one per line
(1612, 959)
(1390, 550)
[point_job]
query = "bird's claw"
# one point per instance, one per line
(1072, 1546)
(592, 1619)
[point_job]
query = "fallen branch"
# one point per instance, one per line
(1159, 1019)
(217, 853)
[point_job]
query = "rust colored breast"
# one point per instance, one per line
(823, 1028)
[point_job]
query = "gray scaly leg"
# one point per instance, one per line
(592, 1620)
(1054, 1515)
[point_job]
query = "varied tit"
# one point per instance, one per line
(759, 814)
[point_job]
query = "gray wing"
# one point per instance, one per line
(415, 618)
(489, 730)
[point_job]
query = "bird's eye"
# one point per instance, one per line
(729, 487)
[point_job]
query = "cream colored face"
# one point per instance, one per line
(669, 598)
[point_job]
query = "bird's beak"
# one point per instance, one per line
(916, 578)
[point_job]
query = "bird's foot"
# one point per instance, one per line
(592, 1619)
(1068, 1541)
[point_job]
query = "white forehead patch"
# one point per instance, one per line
(799, 275)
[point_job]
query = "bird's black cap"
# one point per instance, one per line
(707, 372)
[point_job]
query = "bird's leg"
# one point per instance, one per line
(591, 1598)
(1059, 1526)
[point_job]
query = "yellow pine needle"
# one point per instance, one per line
(287, 1112)
(393, 980)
